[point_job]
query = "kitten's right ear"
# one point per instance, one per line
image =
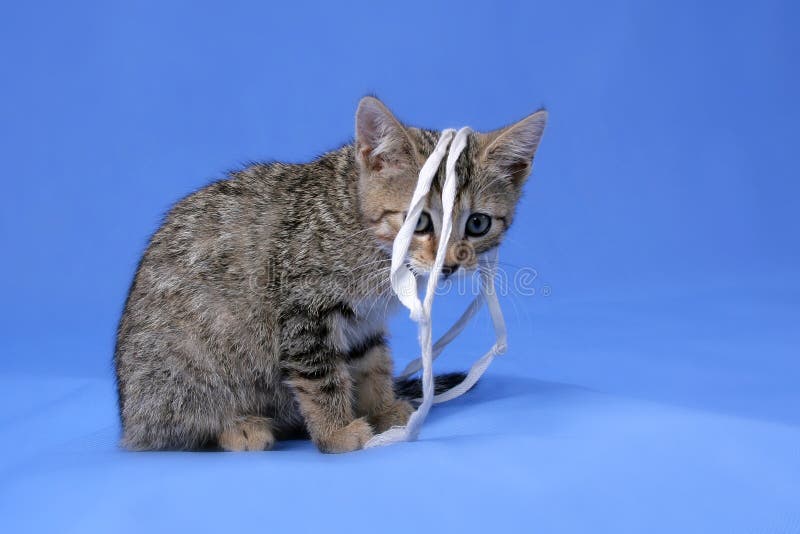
(511, 149)
(381, 140)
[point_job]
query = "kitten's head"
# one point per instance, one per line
(491, 171)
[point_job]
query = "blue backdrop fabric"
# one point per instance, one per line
(652, 379)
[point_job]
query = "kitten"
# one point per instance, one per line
(258, 311)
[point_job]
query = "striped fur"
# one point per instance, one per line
(258, 310)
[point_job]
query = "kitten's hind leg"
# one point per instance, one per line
(251, 433)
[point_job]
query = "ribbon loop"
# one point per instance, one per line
(404, 285)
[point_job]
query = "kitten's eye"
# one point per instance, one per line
(478, 224)
(424, 223)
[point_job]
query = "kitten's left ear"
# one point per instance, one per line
(510, 150)
(381, 140)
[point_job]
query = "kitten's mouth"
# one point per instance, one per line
(414, 269)
(417, 270)
(446, 272)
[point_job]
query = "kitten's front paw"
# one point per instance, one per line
(350, 438)
(397, 415)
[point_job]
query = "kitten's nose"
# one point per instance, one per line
(447, 270)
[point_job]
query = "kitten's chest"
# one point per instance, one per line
(367, 320)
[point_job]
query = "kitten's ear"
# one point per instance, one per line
(381, 140)
(511, 149)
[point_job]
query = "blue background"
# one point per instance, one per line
(652, 380)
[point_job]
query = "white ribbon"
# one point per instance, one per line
(404, 285)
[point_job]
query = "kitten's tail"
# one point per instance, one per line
(411, 388)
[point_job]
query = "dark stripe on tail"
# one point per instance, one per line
(411, 388)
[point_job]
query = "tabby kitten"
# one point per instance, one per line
(258, 311)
